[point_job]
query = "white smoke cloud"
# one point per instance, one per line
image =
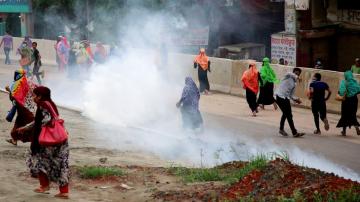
(133, 99)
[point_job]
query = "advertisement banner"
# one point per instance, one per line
(192, 37)
(283, 49)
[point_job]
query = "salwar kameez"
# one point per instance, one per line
(349, 109)
(251, 100)
(266, 96)
(203, 64)
(349, 89)
(203, 80)
(250, 79)
(48, 163)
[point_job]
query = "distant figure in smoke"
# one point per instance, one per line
(62, 50)
(56, 54)
(50, 163)
(284, 94)
(7, 40)
(85, 57)
(250, 79)
(100, 54)
(348, 91)
(20, 93)
(72, 66)
(318, 101)
(189, 105)
(37, 63)
(268, 79)
(26, 58)
(203, 64)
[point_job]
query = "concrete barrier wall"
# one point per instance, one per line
(225, 74)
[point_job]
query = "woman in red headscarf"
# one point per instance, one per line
(203, 64)
(50, 163)
(250, 79)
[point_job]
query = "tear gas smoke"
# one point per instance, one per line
(133, 97)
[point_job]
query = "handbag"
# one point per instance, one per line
(53, 133)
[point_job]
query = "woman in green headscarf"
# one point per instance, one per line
(268, 78)
(349, 89)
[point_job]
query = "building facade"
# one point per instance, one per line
(15, 17)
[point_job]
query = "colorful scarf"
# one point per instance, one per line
(21, 90)
(267, 73)
(349, 87)
(250, 78)
(202, 59)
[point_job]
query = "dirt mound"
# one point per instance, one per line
(281, 179)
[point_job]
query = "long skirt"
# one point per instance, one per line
(251, 99)
(266, 96)
(24, 116)
(52, 161)
(203, 79)
(348, 113)
(191, 118)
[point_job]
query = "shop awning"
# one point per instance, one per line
(15, 6)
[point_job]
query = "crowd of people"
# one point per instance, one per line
(319, 92)
(71, 57)
(263, 83)
(35, 111)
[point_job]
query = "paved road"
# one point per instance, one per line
(228, 122)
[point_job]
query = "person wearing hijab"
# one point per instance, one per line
(189, 105)
(50, 163)
(268, 79)
(250, 80)
(20, 93)
(203, 64)
(348, 90)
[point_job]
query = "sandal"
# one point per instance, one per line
(62, 195)
(11, 141)
(42, 190)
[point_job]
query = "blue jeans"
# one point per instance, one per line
(7, 52)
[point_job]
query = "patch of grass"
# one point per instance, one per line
(92, 172)
(257, 162)
(347, 195)
(190, 175)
